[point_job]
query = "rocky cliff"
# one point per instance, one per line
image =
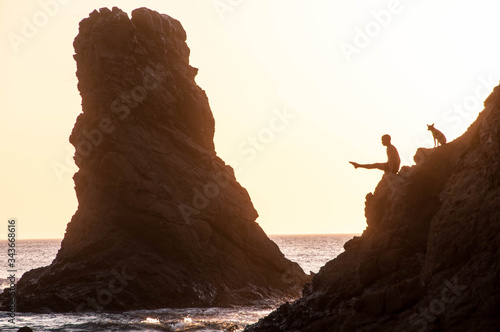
(161, 221)
(429, 259)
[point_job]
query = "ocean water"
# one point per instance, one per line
(310, 251)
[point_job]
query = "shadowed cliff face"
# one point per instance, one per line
(161, 221)
(429, 259)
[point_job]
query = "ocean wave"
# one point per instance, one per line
(171, 321)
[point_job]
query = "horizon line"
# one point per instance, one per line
(276, 234)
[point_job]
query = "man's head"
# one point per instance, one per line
(386, 140)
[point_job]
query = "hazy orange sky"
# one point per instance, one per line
(297, 88)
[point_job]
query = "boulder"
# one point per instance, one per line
(161, 220)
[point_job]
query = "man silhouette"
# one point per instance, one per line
(393, 160)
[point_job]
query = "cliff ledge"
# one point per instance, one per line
(429, 259)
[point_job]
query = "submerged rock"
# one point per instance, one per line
(25, 329)
(161, 221)
(429, 259)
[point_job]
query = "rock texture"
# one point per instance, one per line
(161, 221)
(429, 259)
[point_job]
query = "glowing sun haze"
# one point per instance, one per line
(297, 88)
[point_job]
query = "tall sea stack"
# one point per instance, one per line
(161, 221)
(429, 259)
